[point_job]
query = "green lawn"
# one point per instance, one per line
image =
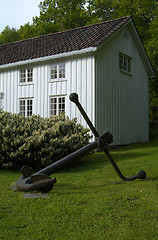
(88, 201)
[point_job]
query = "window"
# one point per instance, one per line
(62, 70)
(30, 75)
(26, 76)
(1, 95)
(58, 71)
(125, 63)
(26, 107)
(1, 100)
(54, 72)
(57, 105)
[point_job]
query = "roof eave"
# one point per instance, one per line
(114, 33)
(140, 45)
(48, 58)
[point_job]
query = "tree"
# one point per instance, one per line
(140, 10)
(99, 10)
(152, 50)
(58, 15)
(152, 42)
(9, 35)
(26, 31)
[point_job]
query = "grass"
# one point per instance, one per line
(89, 201)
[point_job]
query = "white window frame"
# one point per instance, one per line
(58, 72)
(125, 63)
(26, 76)
(26, 106)
(57, 105)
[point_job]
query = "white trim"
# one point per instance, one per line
(57, 103)
(26, 106)
(140, 45)
(26, 82)
(115, 33)
(125, 62)
(41, 59)
(57, 79)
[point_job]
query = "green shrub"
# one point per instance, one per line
(37, 141)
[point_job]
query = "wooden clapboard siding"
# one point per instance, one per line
(9, 86)
(121, 99)
(81, 79)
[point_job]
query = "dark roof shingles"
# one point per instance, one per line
(60, 42)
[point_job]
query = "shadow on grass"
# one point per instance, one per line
(122, 153)
(125, 156)
(99, 160)
(152, 179)
(69, 188)
(134, 146)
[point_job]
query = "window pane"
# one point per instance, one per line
(54, 72)
(53, 106)
(29, 108)
(129, 65)
(62, 70)
(22, 76)
(61, 104)
(125, 64)
(30, 75)
(22, 107)
(120, 61)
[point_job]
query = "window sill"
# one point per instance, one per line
(26, 84)
(127, 73)
(58, 80)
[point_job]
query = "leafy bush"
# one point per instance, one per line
(37, 141)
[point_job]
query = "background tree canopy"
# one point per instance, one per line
(59, 15)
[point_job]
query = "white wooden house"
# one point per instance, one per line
(104, 63)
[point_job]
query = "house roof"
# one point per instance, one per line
(60, 42)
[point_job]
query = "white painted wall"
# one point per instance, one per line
(121, 99)
(9, 86)
(80, 78)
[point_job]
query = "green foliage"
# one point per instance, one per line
(37, 141)
(141, 12)
(9, 35)
(58, 15)
(101, 10)
(26, 31)
(152, 49)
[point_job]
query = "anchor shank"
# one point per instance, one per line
(68, 159)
